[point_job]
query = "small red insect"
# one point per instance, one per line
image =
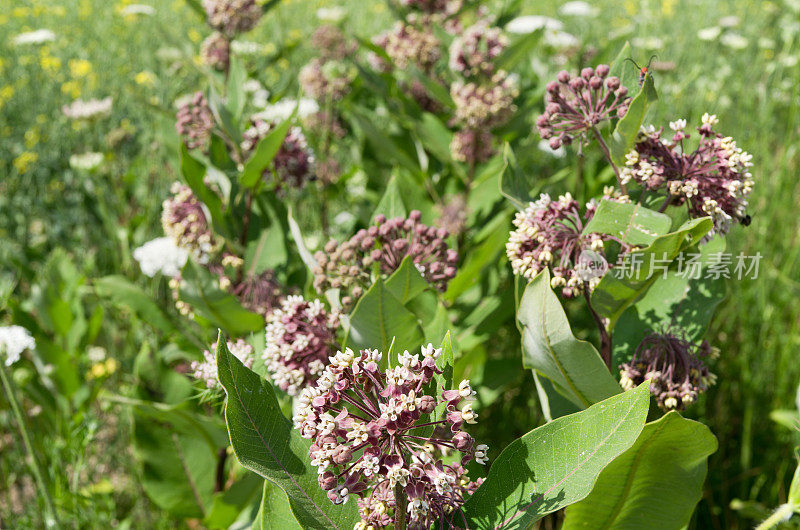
(643, 71)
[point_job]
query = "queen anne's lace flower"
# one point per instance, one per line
(161, 255)
(232, 16)
(347, 266)
(674, 367)
(713, 180)
(206, 370)
(184, 220)
(85, 110)
(301, 336)
(293, 163)
(13, 341)
(549, 233)
(39, 36)
(574, 105)
(195, 122)
(365, 426)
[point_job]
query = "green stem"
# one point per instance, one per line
(51, 519)
(782, 514)
(607, 153)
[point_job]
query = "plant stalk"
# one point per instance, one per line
(607, 153)
(605, 336)
(782, 514)
(51, 518)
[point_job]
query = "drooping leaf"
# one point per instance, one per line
(630, 222)
(264, 153)
(302, 249)
(655, 484)
(378, 318)
(622, 286)
(558, 463)
(264, 441)
(549, 346)
(123, 292)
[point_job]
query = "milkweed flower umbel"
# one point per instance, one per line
(293, 163)
(576, 104)
(713, 180)
(232, 16)
(194, 122)
(474, 51)
(216, 51)
(206, 370)
(301, 336)
(369, 438)
(549, 233)
(674, 367)
(13, 341)
(347, 266)
(184, 220)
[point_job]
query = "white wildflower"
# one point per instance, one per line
(161, 255)
(13, 341)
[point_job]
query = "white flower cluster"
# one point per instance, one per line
(206, 370)
(161, 255)
(40, 36)
(281, 110)
(86, 161)
(13, 341)
(84, 110)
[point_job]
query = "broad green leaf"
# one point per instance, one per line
(435, 136)
(383, 143)
(266, 252)
(406, 282)
(676, 300)
(620, 66)
(794, 490)
(519, 50)
(227, 506)
(274, 512)
(513, 184)
(235, 89)
(788, 418)
(380, 317)
(201, 290)
(655, 484)
(552, 400)
(194, 173)
(490, 243)
(624, 135)
(549, 346)
(265, 442)
(391, 204)
(558, 463)
(630, 222)
(223, 116)
(123, 292)
(622, 286)
(265, 153)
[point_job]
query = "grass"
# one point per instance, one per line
(751, 86)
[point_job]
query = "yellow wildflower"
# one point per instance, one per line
(145, 77)
(79, 67)
(24, 161)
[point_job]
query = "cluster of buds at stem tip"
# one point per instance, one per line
(368, 427)
(232, 16)
(576, 104)
(301, 336)
(293, 164)
(183, 218)
(195, 122)
(550, 233)
(713, 180)
(383, 246)
(206, 370)
(674, 367)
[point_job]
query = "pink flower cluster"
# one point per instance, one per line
(367, 424)
(293, 164)
(674, 367)
(575, 105)
(301, 337)
(473, 52)
(184, 220)
(713, 180)
(216, 51)
(347, 266)
(206, 370)
(549, 233)
(195, 122)
(232, 16)
(325, 80)
(409, 43)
